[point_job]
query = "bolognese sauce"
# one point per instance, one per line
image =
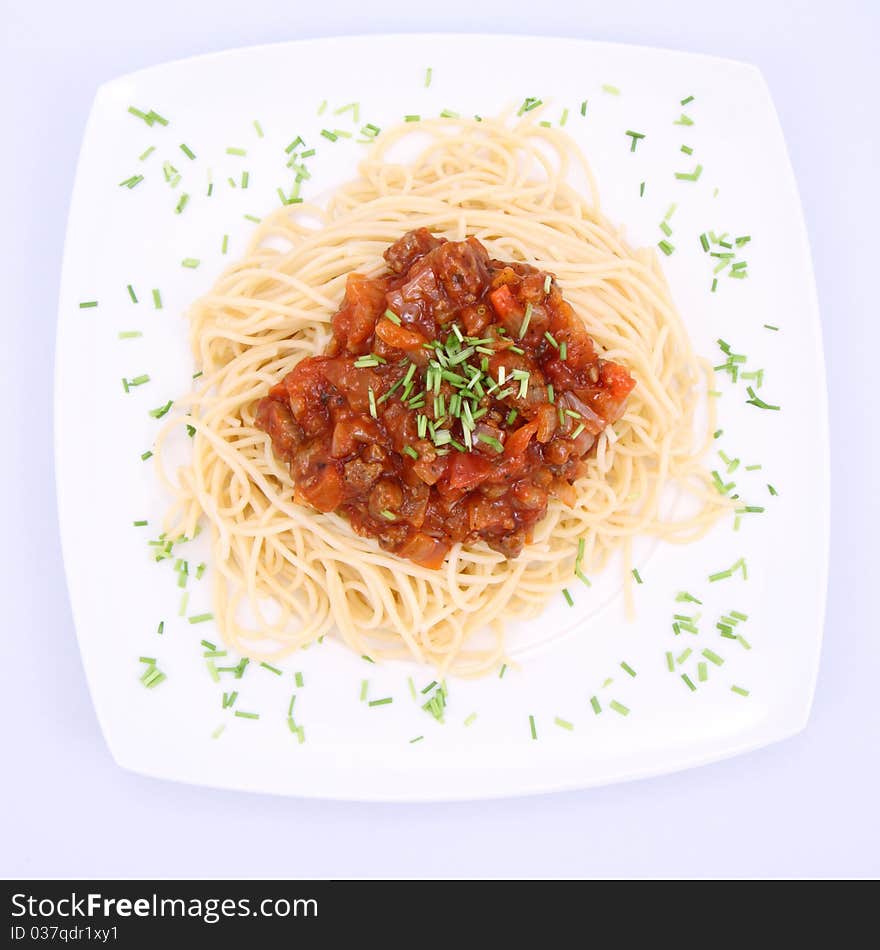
(457, 395)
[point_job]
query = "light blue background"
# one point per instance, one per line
(806, 807)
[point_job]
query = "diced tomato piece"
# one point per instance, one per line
(504, 302)
(364, 301)
(467, 470)
(519, 441)
(324, 490)
(616, 380)
(425, 550)
(399, 337)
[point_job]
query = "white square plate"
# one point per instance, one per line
(119, 236)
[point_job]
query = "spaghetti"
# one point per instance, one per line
(285, 573)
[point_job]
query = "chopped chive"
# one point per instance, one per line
(768, 326)
(670, 662)
(298, 679)
(381, 702)
(429, 72)
(756, 400)
(246, 715)
(267, 666)
(491, 441)
(502, 671)
(129, 334)
(625, 666)
(524, 326)
(146, 455)
(87, 304)
(704, 242)
(683, 597)
(594, 702)
(635, 136)
(619, 707)
(240, 152)
(191, 262)
(532, 728)
(688, 682)
(714, 284)
(702, 672)
(417, 739)
(687, 150)
(583, 109)
(666, 247)
(686, 100)
(739, 690)
(252, 217)
(181, 204)
(145, 155)
(563, 724)
(683, 120)
(690, 176)
(157, 300)
(611, 90)
(637, 576)
(367, 658)
(641, 189)
(161, 410)
(568, 598)
(201, 618)
(190, 154)
(332, 136)
(664, 227)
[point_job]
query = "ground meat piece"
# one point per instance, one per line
(405, 251)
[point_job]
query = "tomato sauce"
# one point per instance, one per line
(457, 395)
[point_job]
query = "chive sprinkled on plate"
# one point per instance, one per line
(619, 708)
(634, 136)
(611, 90)
(532, 729)
(690, 176)
(627, 668)
(381, 702)
(563, 724)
